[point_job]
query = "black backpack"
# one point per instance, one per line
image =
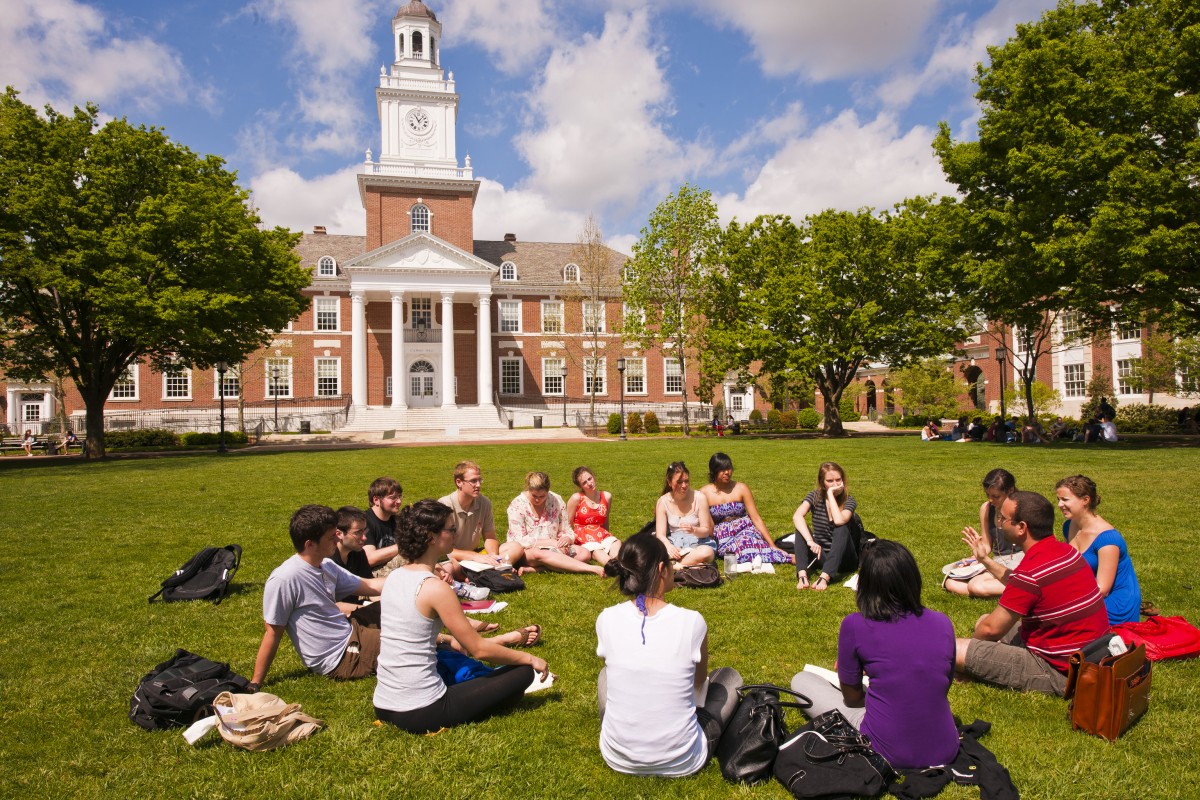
(205, 576)
(498, 580)
(181, 690)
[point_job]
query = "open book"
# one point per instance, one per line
(830, 675)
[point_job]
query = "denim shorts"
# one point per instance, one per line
(685, 541)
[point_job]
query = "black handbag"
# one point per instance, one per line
(498, 580)
(700, 576)
(751, 739)
(830, 757)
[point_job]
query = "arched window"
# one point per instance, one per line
(326, 267)
(418, 49)
(508, 271)
(420, 218)
(872, 399)
(571, 273)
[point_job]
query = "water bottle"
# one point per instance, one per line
(730, 565)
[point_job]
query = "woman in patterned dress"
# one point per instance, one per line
(738, 528)
(588, 511)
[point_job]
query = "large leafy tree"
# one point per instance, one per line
(117, 244)
(835, 292)
(666, 285)
(1081, 189)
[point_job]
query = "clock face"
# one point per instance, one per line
(418, 122)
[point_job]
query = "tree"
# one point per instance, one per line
(1047, 400)
(1155, 370)
(666, 284)
(1080, 190)
(836, 292)
(117, 244)
(599, 282)
(930, 388)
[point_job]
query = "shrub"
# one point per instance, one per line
(773, 419)
(890, 420)
(911, 421)
(141, 437)
(719, 410)
(846, 410)
(634, 423)
(808, 419)
(651, 422)
(787, 420)
(208, 439)
(755, 417)
(614, 423)
(1142, 418)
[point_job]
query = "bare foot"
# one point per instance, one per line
(522, 637)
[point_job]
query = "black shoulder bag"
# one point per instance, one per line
(751, 740)
(830, 757)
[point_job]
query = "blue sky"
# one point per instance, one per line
(568, 107)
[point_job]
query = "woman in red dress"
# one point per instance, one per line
(588, 512)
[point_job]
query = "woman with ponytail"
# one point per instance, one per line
(661, 712)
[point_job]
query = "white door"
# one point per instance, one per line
(424, 390)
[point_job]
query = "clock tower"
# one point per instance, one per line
(417, 184)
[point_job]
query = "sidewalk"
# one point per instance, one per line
(356, 439)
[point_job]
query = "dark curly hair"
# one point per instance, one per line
(637, 565)
(417, 525)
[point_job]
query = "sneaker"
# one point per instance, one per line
(468, 592)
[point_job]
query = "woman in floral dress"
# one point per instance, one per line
(738, 528)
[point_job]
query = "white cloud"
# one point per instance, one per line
(284, 197)
(515, 35)
(843, 164)
(531, 216)
(598, 139)
(826, 39)
(66, 53)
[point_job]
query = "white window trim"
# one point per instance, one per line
(601, 373)
(133, 372)
(515, 274)
(601, 317)
(326, 300)
(317, 375)
(186, 373)
(562, 317)
(412, 312)
(1134, 390)
(520, 376)
(233, 370)
(666, 391)
(332, 263)
(1067, 391)
(629, 374)
(428, 219)
(559, 363)
(567, 271)
(285, 380)
(500, 305)
(628, 313)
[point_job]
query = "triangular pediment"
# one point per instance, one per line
(420, 253)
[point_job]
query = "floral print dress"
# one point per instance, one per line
(736, 534)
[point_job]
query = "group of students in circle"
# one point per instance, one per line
(662, 709)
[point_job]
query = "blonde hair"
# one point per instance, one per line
(537, 482)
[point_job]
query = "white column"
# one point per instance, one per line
(358, 349)
(448, 350)
(398, 376)
(483, 357)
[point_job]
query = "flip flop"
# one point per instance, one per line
(802, 580)
(816, 584)
(1149, 609)
(530, 635)
(486, 627)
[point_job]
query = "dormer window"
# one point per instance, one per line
(571, 273)
(508, 271)
(420, 218)
(326, 267)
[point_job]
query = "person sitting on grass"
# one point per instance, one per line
(1050, 608)
(737, 526)
(588, 510)
(907, 651)
(410, 693)
(384, 497)
(661, 712)
(831, 539)
(475, 526)
(537, 521)
(349, 555)
(998, 485)
(682, 521)
(1101, 546)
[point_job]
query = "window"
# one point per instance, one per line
(420, 313)
(420, 217)
(1188, 382)
(635, 376)
(593, 316)
(552, 316)
(325, 314)
(177, 384)
(1021, 338)
(737, 402)
(417, 47)
(553, 382)
(510, 316)
(1128, 381)
(420, 379)
(632, 316)
(594, 370)
(1074, 380)
(279, 377)
(387, 386)
(1068, 323)
(126, 387)
(672, 376)
(326, 267)
(508, 271)
(1128, 331)
(329, 377)
(571, 273)
(32, 410)
(231, 386)
(510, 376)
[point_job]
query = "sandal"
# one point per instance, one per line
(485, 627)
(821, 583)
(1149, 609)
(802, 580)
(530, 635)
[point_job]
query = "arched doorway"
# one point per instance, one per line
(871, 400)
(976, 387)
(423, 385)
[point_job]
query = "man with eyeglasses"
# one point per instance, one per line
(475, 526)
(383, 499)
(1052, 593)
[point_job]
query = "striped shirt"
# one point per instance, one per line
(822, 528)
(1055, 593)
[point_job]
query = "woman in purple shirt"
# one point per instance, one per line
(906, 651)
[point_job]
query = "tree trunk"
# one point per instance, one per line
(833, 415)
(683, 378)
(93, 443)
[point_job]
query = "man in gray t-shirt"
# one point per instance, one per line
(299, 598)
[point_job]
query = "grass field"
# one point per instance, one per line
(89, 543)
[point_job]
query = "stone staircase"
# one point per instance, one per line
(377, 418)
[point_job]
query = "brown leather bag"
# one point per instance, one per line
(1109, 696)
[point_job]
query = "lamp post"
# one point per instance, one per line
(564, 388)
(222, 367)
(621, 370)
(275, 393)
(1001, 354)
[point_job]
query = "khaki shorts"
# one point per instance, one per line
(1008, 663)
(362, 653)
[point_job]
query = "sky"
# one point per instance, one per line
(568, 108)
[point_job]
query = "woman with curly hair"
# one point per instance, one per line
(410, 694)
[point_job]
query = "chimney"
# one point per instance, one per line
(510, 237)
(318, 230)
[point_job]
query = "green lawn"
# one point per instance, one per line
(89, 543)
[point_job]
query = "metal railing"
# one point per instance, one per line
(322, 413)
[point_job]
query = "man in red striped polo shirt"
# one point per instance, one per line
(1051, 593)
